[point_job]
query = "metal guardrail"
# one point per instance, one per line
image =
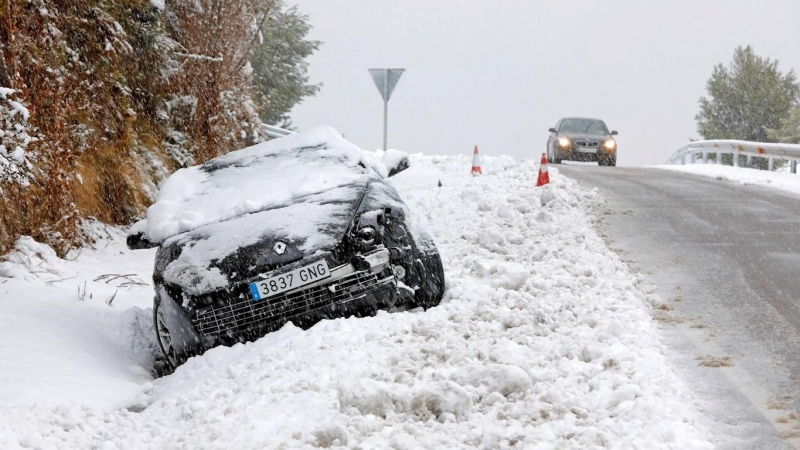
(770, 151)
(276, 132)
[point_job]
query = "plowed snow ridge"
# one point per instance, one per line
(544, 340)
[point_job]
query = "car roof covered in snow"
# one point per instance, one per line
(264, 176)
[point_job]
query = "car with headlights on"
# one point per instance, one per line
(582, 139)
(301, 228)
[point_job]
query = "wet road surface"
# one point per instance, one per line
(726, 260)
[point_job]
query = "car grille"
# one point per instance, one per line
(585, 143)
(242, 314)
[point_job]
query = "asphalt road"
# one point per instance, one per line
(726, 260)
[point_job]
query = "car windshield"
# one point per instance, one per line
(583, 126)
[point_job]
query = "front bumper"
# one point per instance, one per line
(572, 154)
(348, 291)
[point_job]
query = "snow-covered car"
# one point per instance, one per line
(299, 229)
(582, 139)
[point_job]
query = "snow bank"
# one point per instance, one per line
(746, 177)
(544, 340)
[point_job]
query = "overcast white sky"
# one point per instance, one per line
(500, 73)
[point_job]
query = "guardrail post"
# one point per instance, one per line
(694, 157)
(771, 164)
(749, 161)
(683, 160)
(705, 157)
(735, 159)
(794, 166)
(719, 158)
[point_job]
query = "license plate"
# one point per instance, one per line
(587, 149)
(290, 280)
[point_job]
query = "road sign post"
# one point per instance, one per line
(386, 80)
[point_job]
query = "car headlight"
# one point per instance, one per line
(367, 235)
(564, 142)
(610, 144)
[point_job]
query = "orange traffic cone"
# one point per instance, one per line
(544, 176)
(476, 163)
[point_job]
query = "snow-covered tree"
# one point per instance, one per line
(211, 75)
(280, 70)
(746, 99)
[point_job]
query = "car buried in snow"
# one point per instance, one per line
(582, 139)
(301, 228)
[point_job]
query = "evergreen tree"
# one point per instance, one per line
(746, 99)
(789, 131)
(280, 70)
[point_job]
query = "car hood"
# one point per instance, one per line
(221, 254)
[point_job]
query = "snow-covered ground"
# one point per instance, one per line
(782, 180)
(75, 332)
(544, 340)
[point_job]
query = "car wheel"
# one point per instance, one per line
(556, 157)
(432, 286)
(607, 161)
(164, 337)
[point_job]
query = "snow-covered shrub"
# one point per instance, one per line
(15, 135)
(101, 99)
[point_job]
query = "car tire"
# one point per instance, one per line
(610, 161)
(431, 289)
(164, 338)
(556, 158)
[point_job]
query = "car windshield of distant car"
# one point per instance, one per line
(583, 126)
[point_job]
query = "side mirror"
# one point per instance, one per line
(614, 132)
(137, 237)
(395, 161)
(552, 130)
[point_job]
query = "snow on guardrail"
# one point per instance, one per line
(749, 149)
(276, 132)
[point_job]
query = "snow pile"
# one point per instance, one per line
(267, 175)
(32, 261)
(544, 340)
(746, 177)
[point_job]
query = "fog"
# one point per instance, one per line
(498, 74)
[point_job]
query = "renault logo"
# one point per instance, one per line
(279, 247)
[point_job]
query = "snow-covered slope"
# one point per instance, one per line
(543, 340)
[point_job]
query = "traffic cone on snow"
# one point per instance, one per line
(476, 163)
(544, 176)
